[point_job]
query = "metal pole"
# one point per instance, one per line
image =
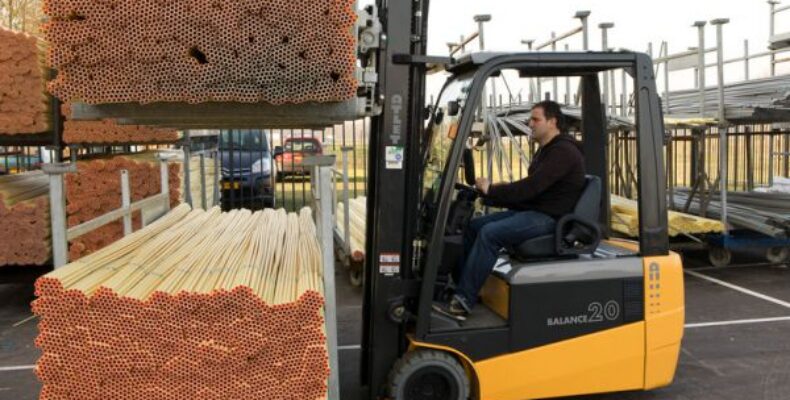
(771, 26)
(57, 211)
(554, 88)
(666, 78)
(126, 203)
(701, 65)
(164, 177)
(720, 62)
(746, 59)
(567, 83)
(583, 15)
(723, 145)
(623, 93)
(215, 180)
(186, 173)
(321, 177)
(532, 87)
(605, 47)
(203, 201)
(346, 204)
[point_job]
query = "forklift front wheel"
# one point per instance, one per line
(777, 255)
(428, 375)
(719, 256)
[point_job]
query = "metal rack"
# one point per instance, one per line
(151, 207)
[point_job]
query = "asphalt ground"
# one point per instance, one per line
(736, 343)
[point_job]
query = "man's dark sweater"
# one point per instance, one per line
(554, 184)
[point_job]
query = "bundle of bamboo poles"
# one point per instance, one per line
(24, 219)
(107, 131)
(625, 219)
(24, 107)
(356, 223)
(273, 51)
(199, 304)
(95, 189)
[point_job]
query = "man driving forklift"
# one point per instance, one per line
(553, 186)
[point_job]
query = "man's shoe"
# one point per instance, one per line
(453, 309)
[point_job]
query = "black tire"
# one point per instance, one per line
(719, 256)
(428, 375)
(777, 255)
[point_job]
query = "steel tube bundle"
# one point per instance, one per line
(199, 304)
(740, 99)
(274, 51)
(766, 213)
(24, 107)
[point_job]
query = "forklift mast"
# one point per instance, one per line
(393, 192)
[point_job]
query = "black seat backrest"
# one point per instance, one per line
(589, 204)
(578, 231)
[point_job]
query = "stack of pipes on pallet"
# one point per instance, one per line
(108, 131)
(198, 305)
(625, 219)
(356, 223)
(96, 190)
(23, 106)
(766, 213)
(211, 178)
(274, 51)
(740, 99)
(780, 185)
(24, 219)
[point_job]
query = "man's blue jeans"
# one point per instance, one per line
(483, 239)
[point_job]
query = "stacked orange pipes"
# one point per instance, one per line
(23, 104)
(274, 51)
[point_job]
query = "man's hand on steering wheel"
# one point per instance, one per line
(482, 184)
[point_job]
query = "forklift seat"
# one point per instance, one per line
(576, 233)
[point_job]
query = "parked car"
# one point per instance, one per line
(290, 156)
(247, 169)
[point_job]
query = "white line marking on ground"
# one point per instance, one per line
(350, 347)
(17, 368)
(736, 322)
(740, 289)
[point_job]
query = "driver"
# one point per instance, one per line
(553, 185)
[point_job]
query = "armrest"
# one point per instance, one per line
(576, 235)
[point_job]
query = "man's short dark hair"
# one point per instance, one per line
(551, 109)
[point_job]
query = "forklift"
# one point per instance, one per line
(574, 312)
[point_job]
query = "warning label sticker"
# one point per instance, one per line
(389, 263)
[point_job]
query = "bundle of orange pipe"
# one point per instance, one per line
(274, 51)
(198, 305)
(24, 219)
(23, 104)
(107, 131)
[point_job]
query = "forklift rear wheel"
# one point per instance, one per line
(355, 277)
(428, 375)
(777, 255)
(719, 256)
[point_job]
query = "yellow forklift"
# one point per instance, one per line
(573, 312)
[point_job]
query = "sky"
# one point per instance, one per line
(637, 22)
